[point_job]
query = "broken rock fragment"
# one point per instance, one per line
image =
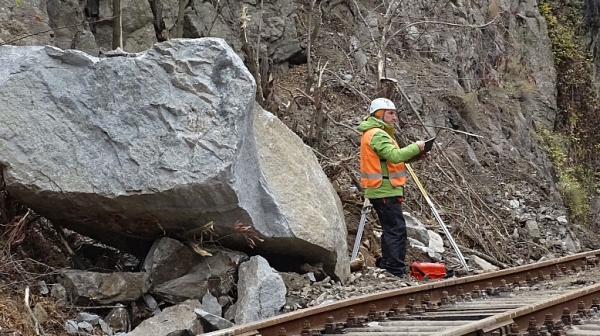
(176, 320)
(176, 280)
(118, 319)
(130, 148)
(261, 291)
(85, 287)
(213, 322)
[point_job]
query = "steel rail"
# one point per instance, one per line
(434, 292)
(522, 316)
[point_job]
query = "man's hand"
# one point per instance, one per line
(421, 145)
(423, 156)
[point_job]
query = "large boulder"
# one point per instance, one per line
(305, 197)
(129, 148)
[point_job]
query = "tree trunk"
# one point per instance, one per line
(182, 5)
(309, 79)
(117, 41)
(252, 58)
(159, 25)
(387, 19)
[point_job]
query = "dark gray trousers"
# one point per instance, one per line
(393, 240)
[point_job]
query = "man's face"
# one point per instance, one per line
(389, 116)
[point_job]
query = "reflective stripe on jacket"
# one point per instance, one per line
(371, 174)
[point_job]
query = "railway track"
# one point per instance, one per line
(546, 298)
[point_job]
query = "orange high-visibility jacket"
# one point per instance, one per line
(371, 174)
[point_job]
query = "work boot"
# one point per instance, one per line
(400, 275)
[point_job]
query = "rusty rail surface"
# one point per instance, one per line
(544, 312)
(329, 317)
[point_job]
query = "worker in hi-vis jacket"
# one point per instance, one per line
(383, 176)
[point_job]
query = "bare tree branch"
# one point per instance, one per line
(444, 24)
(38, 327)
(260, 20)
(212, 24)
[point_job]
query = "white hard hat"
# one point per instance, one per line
(381, 104)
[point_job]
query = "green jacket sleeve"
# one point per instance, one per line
(383, 146)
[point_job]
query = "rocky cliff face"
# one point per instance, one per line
(87, 25)
(484, 68)
(480, 75)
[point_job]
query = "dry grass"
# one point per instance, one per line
(24, 249)
(13, 319)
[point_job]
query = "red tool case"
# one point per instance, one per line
(421, 270)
